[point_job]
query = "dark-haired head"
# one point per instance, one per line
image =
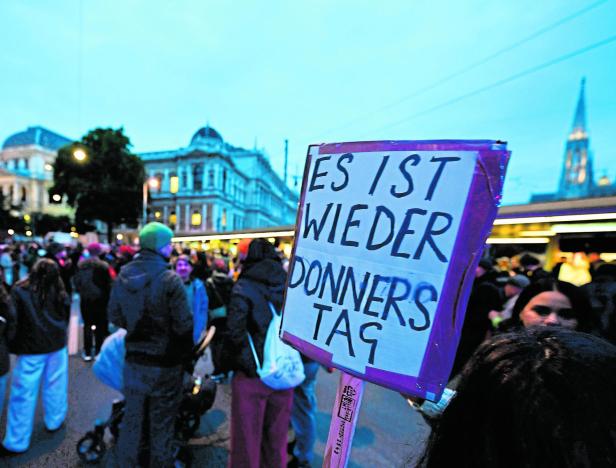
(552, 302)
(259, 250)
(45, 282)
(538, 397)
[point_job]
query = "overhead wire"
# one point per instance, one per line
(473, 65)
(502, 81)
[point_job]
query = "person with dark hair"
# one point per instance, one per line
(551, 302)
(58, 253)
(93, 283)
(7, 332)
(531, 267)
(536, 398)
(602, 294)
(485, 297)
(149, 301)
(218, 287)
(40, 345)
(259, 415)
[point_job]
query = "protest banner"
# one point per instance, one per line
(387, 240)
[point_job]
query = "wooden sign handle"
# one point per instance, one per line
(344, 418)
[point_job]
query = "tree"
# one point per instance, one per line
(9, 218)
(104, 185)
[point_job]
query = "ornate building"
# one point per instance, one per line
(212, 186)
(26, 170)
(577, 177)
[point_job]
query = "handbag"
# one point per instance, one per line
(282, 365)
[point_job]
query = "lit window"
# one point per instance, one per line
(157, 214)
(174, 184)
(195, 219)
(173, 218)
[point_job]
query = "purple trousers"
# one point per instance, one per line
(259, 423)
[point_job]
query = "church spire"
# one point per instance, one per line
(579, 121)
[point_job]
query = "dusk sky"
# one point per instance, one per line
(318, 71)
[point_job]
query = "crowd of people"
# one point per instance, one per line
(533, 383)
(531, 345)
(153, 306)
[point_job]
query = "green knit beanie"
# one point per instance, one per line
(154, 236)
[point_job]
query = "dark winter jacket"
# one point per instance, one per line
(218, 287)
(92, 280)
(249, 312)
(7, 332)
(41, 328)
(150, 302)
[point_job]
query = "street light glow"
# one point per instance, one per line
(120, 236)
(154, 183)
(29, 233)
(48, 167)
(56, 197)
(11, 232)
(79, 154)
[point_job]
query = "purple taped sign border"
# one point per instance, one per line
(476, 222)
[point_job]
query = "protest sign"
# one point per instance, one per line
(386, 244)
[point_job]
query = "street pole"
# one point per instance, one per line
(144, 214)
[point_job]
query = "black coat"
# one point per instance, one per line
(41, 328)
(249, 312)
(92, 280)
(150, 302)
(7, 332)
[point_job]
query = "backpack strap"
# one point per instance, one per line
(272, 308)
(254, 352)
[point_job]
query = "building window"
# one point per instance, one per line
(223, 221)
(173, 219)
(157, 214)
(198, 177)
(195, 219)
(224, 180)
(184, 177)
(24, 194)
(174, 183)
(210, 178)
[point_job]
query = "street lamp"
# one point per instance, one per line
(79, 154)
(153, 183)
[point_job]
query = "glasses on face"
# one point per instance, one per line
(566, 313)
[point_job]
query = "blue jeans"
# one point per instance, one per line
(303, 414)
(30, 369)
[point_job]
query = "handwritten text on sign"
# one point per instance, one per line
(375, 237)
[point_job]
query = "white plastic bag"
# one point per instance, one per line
(282, 365)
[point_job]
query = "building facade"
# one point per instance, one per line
(577, 175)
(212, 186)
(26, 170)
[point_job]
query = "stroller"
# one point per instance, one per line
(198, 397)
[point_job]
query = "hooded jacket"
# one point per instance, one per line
(93, 280)
(150, 302)
(248, 311)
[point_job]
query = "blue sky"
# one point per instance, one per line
(263, 71)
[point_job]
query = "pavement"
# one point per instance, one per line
(388, 434)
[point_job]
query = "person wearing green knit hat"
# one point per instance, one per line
(156, 237)
(150, 302)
